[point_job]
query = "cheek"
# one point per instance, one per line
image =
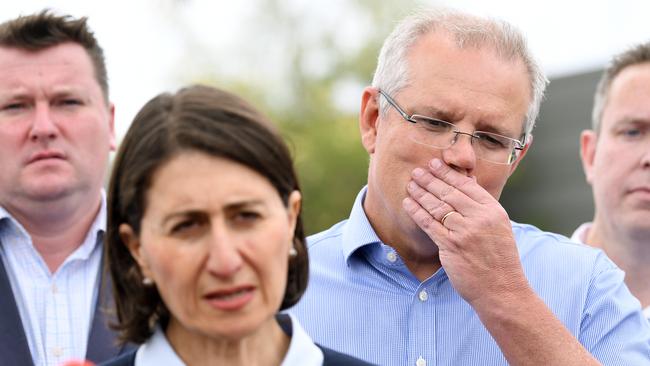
(269, 256)
(493, 179)
(173, 266)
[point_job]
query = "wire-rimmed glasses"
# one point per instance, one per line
(440, 134)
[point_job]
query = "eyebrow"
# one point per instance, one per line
(198, 212)
(437, 113)
(482, 126)
(628, 120)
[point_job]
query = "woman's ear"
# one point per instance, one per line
(293, 206)
(132, 242)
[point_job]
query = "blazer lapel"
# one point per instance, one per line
(14, 349)
(102, 341)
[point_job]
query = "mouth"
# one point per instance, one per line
(45, 155)
(230, 299)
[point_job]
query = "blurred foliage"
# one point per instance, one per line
(323, 135)
(331, 162)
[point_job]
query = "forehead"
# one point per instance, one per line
(469, 81)
(629, 95)
(67, 64)
(198, 178)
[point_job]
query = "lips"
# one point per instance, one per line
(44, 155)
(230, 299)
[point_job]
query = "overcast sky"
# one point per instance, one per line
(144, 49)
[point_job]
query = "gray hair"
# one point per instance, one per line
(633, 56)
(468, 30)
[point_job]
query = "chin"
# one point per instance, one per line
(49, 191)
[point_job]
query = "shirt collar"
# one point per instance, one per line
(157, 351)
(358, 232)
(580, 235)
(93, 237)
(95, 234)
(302, 350)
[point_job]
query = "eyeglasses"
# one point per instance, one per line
(440, 134)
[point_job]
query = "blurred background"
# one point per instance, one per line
(305, 62)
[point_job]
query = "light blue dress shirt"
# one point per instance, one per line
(362, 300)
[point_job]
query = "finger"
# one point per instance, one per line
(444, 192)
(430, 203)
(424, 220)
(459, 181)
(449, 220)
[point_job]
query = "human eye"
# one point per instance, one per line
(493, 141)
(69, 102)
(13, 106)
(247, 216)
(186, 225)
(632, 132)
(433, 124)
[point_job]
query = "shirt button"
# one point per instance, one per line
(421, 362)
(54, 289)
(391, 256)
(423, 295)
(57, 352)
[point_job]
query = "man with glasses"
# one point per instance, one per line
(616, 159)
(428, 269)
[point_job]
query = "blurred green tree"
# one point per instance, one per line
(319, 71)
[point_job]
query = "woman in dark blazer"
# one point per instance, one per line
(204, 240)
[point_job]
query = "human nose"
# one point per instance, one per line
(43, 125)
(224, 257)
(460, 155)
(645, 159)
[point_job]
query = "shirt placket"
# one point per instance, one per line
(422, 326)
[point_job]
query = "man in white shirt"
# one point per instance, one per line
(56, 132)
(616, 158)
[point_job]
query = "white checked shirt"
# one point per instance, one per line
(56, 309)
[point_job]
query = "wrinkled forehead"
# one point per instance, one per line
(66, 67)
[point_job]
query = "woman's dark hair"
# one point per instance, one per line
(197, 118)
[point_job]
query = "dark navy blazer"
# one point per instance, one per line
(14, 349)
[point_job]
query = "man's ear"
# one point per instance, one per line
(522, 153)
(368, 118)
(588, 142)
(132, 242)
(111, 126)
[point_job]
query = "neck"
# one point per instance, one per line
(630, 252)
(418, 252)
(57, 228)
(266, 346)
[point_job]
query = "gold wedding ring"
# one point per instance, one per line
(442, 221)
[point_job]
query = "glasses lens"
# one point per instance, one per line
(441, 135)
(432, 132)
(494, 148)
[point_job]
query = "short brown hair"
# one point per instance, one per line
(196, 118)
(635, 55)
(43, 30)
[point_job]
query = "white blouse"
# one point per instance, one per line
(158, 352)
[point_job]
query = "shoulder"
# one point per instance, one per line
(126, 359)
(325, 237)
(331, 358)
(531, 241)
